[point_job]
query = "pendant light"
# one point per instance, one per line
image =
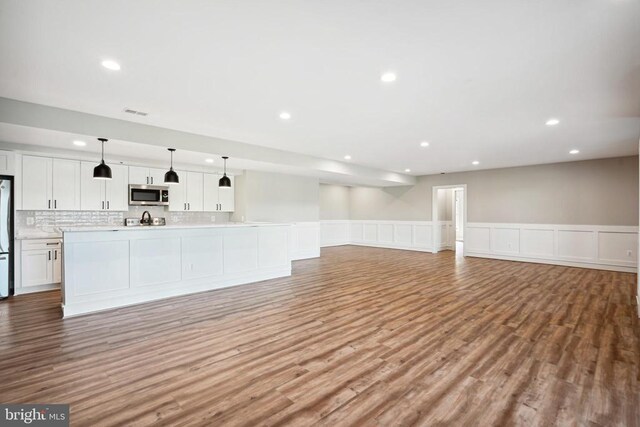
(171, 177)
(102, 171)
(225, 181)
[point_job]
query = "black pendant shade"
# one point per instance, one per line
(102, 171)
(225, 181)
(171, 177)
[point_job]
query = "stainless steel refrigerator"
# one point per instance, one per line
(6, 236)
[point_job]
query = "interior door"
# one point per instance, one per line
(91, 190)
(36, 183)
(66, 184)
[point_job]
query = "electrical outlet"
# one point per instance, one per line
(629, 252)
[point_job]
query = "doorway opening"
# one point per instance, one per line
(449, 218)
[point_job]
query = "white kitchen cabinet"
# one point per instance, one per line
(218, 199)
(50, 183)
(92, 191)
(146, 176)
(57, 265)
(156, 176)
(41, 262)
(66, 184)
(187, 195)
(36, 183)
(117, 189)
(37, 268)
(100, 194)
(194, 191)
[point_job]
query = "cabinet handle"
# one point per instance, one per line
(147, 180)
(188, 206)
(103, 204)
(151, 180)
(55, 254)
(52, 244)
(107, 204)
(185, 207)
(49, 201)
(55, 204)
(49, 255)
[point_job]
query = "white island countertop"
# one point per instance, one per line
(83, 229)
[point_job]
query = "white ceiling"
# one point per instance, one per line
(477, 80)
(31, 140)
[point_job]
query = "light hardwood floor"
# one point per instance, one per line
(359, 336)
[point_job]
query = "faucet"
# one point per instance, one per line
(148, 221)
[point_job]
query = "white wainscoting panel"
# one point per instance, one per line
(305, 240)
(537, 243)
(411, 235)
(335, 233)
(590, 246)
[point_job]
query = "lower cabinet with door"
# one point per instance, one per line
(40, 265)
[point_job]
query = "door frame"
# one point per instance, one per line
(434, 215)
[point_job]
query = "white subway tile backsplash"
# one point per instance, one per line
(30, 220)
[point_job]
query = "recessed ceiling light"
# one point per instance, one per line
(407, 170)
(424, 144)
(208, 160)
(475, 163)
(111, 65)
(79, 143)
(552, 122)
(347, 157)
(388, 77)
(574, 151)
(285, 116)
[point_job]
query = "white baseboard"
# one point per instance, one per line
(554, 262)
(33, 289)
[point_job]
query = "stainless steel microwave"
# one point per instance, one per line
(148, 195)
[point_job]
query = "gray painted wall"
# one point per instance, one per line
(334, 202)
(265, 196)
(596, 192)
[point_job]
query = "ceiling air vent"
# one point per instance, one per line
(135, 112)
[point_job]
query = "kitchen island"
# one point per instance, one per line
(109, 267)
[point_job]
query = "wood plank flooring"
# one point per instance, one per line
(360, 336)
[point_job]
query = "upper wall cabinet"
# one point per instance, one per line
(50, 183)
(187, 195)
(217, 199)
(98, 194)
(146, 176)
